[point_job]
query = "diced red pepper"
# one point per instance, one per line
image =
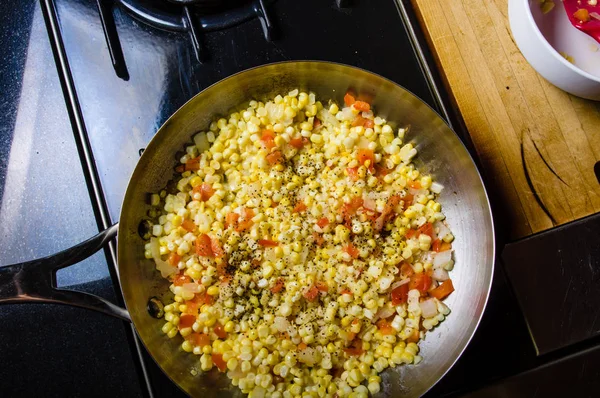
(204, 299)
(359, 121)
(426, 229)
(353, 173)
(268, 139)
(247, 223)
(411, 233)
(231, 219)
(369, 124)
(390, 208)
(414, 337)
(351, 250)
(219, 362)
(364, 155)
(205, 190)
(346, 291)
(323, 222)
(421, 282)
(381, 170)
(222, 271)
(219, 330)
(180, 279)
(204, 246)
(274, 158)
(192, 305)
(351, 207)
(440, 246)
(198, 339)
(311, 294)
(406, 270)
(319, 240)
(316, 123)
(188, 225)
(302, 345)
(278, 286)
(193, 164)
(267, 243)
(400, 294)
(190, 165)
(174, 259)
(355, 349)
(244, 225)
(362, 106)
(297, 143)
(216, 248)
(385, 327)
(300, 207)
(415, 184)
(349, 99)
(247, 212)
(443, 290)
(322, 287)
(186, 321)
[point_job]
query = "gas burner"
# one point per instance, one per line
(192, 16)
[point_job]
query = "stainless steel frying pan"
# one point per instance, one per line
(440, 152)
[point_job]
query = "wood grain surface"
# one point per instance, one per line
(537, 144)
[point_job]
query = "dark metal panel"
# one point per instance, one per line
(574, 376)
(556, 275)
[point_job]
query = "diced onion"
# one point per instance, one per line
(384, 283)
(304, 254)
(237, 373)
(363, 143)
(328, 118)
(347, 114)
(191, 287)
(201, 141)
(400, 283)
(416, 192)
(428, 308)
(442, 229)
(385, 312)
(442, 258)
(281, 323)
(161, 265)
(369, 204)
(440, 274)
(309, 356)
(436, 187)
(270, 254)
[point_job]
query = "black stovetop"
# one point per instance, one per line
(47, 200)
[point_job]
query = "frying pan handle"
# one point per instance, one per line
(35, 281)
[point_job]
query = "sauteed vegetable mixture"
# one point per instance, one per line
(306, 252)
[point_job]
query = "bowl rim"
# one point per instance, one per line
(553, 51)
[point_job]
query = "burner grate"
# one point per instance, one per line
(192, 16)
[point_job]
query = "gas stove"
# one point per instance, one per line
(87, 85)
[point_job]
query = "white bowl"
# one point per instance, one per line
(541, 37)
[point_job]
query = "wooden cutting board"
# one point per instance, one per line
(537, 144)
